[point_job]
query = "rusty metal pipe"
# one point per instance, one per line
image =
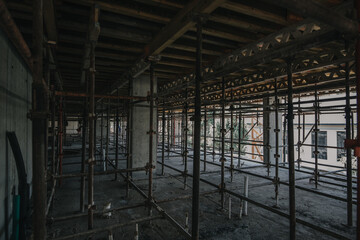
(357, 59)
(151, 136)
(9, 26)
(290, 122)
(75, 94)
(39, 123)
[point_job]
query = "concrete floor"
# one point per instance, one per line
(214, 223)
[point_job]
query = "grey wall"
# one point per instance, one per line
(269, 124)
(15, 103)
(141, 124)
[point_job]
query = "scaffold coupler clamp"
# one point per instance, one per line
(276, 181)
(91, 207)
(92, 116)
(152, 132)
(38, 115)
(148, 167)
(221, 187)
(91, 161)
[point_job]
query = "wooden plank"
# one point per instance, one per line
(245, 25)
(176, 64)
(166, 5)
(178, 56)
(181, 23)
(214, 41)
(119, 33)
(193, 49)
(111, 17)
(117, 47)
(255, 12)
(50, 21)
(226, 35)
(118, 8)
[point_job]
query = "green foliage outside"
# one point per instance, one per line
(209, 133)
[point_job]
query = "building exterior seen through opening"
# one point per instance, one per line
(224, 119)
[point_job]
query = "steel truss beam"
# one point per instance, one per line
(287, 42)
(262, 82)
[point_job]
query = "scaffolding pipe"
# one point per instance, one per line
(102, 130)
(231, 141)
(91, 161)
(271, 209)
(185, 153)
(39, 120)
(357, 59)
(223, 131)
(163, 142)
(277, 155)
(151, 136)
(83, 159)
(117, 97)
(214, 127)
(284, 134)
(239, 137)
(117, 137)
(107, 135)
(15, 35)
(197, 134)
(171, 130)
(205, 144)
(316, 133)
(168, 136)
(60, 136)
(299, 131)
(348, 150)
(128, 143)
(53, 138)
(290, 120)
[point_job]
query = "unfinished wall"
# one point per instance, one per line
(15, 103)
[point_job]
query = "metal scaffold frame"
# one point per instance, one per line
(264, 81)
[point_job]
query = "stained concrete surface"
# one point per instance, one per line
(214, 222)
(15, 103)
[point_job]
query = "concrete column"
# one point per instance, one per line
(140, 122)
(269, 135)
